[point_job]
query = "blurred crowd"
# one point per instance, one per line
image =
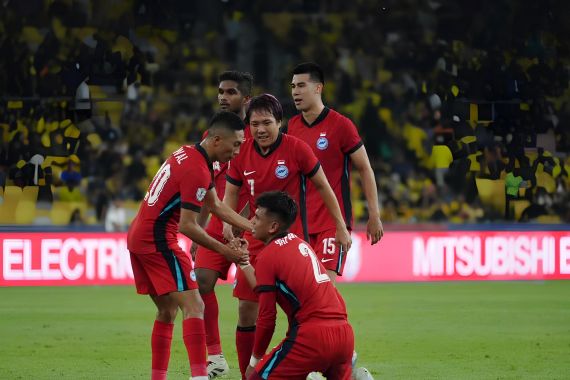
(464, 109)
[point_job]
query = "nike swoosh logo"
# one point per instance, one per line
(326, 260)
(246, 173)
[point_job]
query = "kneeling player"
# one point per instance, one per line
(288, 273)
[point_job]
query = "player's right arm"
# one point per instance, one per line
(226, 212)
(189, 226)
(231, 201)
(202, 219)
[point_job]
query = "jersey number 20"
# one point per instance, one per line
(307, 251)
(158, 184)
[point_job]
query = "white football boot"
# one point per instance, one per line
(217, 366)
(362, 373)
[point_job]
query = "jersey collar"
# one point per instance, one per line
(205, 155)
(321, 117)
(272, 148)
(278, 236)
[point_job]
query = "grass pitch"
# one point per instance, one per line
(471, 330)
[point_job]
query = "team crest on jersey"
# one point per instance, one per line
(200, 194)
(216, 165)
(322, 142)
(193, 275)
(281, 171)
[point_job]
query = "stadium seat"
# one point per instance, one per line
(517, 207)
(60, 213)
(25, 212)
(546, 181)
(30, 193)
(12, 194)
(492, 193)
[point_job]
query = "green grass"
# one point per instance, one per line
(475, 330)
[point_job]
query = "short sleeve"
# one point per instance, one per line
(265, 273)
(308, 161)
(193, 188)
(233, 174)
(350, 139)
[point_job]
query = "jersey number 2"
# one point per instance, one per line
(307, 251)
(158, 184)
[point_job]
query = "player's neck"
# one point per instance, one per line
(241, 114)
(313, 113)
(209, 150)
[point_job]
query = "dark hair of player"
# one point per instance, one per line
(267, 103)
(226, 120)
(281, 205)
(315, 72)
(243, 79)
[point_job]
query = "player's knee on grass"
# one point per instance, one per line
(247, 313)
(206, 279)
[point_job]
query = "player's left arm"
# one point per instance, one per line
(374, 228)
(322, 185)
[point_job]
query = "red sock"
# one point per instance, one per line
(245, 337)
(211, 313)
(195, 341)
(160, 343)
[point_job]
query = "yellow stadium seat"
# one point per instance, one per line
(475, 165)
(25, 212)
(492, 193)
(30, 193)
(518, 206)
(12, 194)
(55, 160)
(60, 213)
(441, 156)
(546, 181)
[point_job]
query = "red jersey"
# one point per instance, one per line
(332, 137)
(289, 270)
(215, 226)
(286, 167)
(182, 181)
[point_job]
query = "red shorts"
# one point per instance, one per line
(332, 258)
(163, 272)
(209, 259)
(242, 289)
(312, 347)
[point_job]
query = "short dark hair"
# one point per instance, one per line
(315, 72)
(242, 78)
(267, 103)
(226, 120)
(280, 204)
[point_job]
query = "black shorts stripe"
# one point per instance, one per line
(175, 270)
(280, 354)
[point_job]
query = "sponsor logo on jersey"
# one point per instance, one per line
(322, 143)
(216, 165)
(281, 171)
(200, 194)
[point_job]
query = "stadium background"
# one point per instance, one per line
(455, 101)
